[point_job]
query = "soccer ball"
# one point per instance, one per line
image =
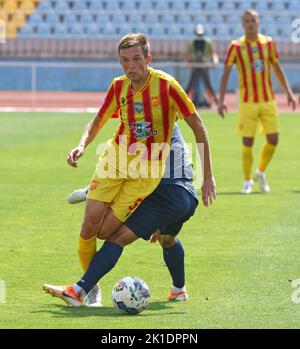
(131, 295)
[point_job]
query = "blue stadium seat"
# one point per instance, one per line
(184, 19)
(178, 6)
(145, 6)
(211, 6)
(60, 31)
(112, 5)
(123, 29)
(228, 6)
(157, 32)
(76, 31)
(36, 18)
(96, 5)
(193, 6)
(52, 18)
(167, 19)
(69, 18)
(93, 30)
(162, 6)
(79, 5)
(62, 6)
(45, 5)
(26, 32)
(102, 19)
(109, 30)
(43, 30)
(86, 17)
(118, 19)
(278, 6)
(151, 19)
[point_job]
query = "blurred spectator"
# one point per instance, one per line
(200, 50)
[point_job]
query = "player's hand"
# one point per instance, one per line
(208, 191)
(291, 100)
(222, 109)
(74, 155)
(153, 238)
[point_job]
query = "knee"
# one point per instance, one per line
(273, 139)
(167, 241)
(89, 227)
(103, 233)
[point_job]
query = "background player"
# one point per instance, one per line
(253, 54)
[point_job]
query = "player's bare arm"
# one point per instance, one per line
(89, 133)
(209, 186)
(222, 108)
(284, 84)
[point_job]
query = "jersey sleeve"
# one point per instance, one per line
(109, 108)
(274, 56)
(180, 101)
(230, 58)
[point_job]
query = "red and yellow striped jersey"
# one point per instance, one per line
(147, 115)
(253, 60)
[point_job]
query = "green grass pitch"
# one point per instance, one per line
(242, 253)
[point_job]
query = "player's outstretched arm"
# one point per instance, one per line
(222, 108)
(209, 186)
(284, 84)
(89, 133)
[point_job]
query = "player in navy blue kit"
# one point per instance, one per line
(160, 216)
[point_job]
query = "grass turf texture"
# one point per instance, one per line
(241, 253)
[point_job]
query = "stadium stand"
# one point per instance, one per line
(73, 20)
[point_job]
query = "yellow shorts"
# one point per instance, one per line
(249, 114)
(124, 195)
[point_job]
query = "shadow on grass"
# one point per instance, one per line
(80, 312)
(238, 193)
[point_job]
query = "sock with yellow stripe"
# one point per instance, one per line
(86, 251)
(247, 161)
(266, 156)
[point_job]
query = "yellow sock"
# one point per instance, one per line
(86, 251)
(247, 160)
(266, 156)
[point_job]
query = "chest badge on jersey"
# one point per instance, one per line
(138, 107)
(258, 65)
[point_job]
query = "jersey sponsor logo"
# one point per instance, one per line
(258, 65)
(142, 129)
(138, 107)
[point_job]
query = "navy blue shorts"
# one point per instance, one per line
(166, 209)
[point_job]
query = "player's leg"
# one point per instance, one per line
(173, 251)
(98, 200)
(270, 124)
(246, 128)
(247, 163)
(102, 263)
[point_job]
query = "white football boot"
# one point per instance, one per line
(261, 179)
(94, 298)
(247, 188)
(78, 196)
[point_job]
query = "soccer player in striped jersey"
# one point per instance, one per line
(148, 102)
(254, 54)
(171, 204)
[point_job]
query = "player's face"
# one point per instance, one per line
(134, 63)
(250, 24)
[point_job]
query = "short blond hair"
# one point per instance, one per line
(250, 12)
(132, 40)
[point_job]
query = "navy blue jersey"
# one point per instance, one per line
(179, 169)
